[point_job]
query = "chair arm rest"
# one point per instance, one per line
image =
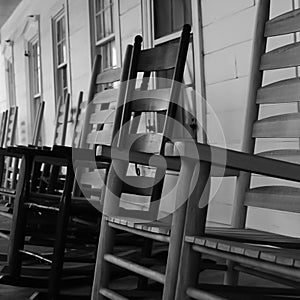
(148, 159)
(6, 152)
(33, 152)
(240, 161)
(61, 148)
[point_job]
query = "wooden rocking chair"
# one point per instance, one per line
(129, 215)
(3, 128)
(267, 255)
(56, 209)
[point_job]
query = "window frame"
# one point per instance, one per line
(32, 75)
(31, 35)
(65, 66)
(97, 46)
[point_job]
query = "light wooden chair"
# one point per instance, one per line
(11, 164)
(267, 255)
(49, 174)
(38, 124)
(80, 113)
(3, 127)
(127, 215)
(11, 126)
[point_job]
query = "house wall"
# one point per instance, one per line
(227, 31)
(79, 54)
(80, 49)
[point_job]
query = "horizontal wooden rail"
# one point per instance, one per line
(133, 267)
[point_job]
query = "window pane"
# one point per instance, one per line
(162, 17)
(35, 69)
(64, 47)
(63, 28)
(97, 5)
(60, 58)
(107, 21)
(109, 55)
(104, 54)
(170, 16)
(65, 77)
(58, 31)
(114, 53)
(112, 16)
(177, 15)
(62, 81)
(104, 20)
(187, 12)
(99, 27)
(59, 85)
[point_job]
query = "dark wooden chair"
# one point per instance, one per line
(53, 211)
(11, 173)
(9, 191)
(266, 255)
(133, 214)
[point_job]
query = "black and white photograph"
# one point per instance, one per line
(149, 149)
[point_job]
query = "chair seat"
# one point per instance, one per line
(13, 292)
(154, 227)
(262, 252)
(253, 236)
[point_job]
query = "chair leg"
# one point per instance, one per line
(53, 180)
(61, 233)
(231, 276)
(177, 229)
(146, 253)
(17, 234)
(188, 271)
(102, 272)
(14, 177)
(174, 254)
(190, 260)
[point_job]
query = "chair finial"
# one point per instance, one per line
(186, 28)
(138, 39)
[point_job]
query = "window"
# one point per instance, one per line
(103, 19)
(35, 67)
(103, 27)
(168, 18)
(60, 47)
(34, 73)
